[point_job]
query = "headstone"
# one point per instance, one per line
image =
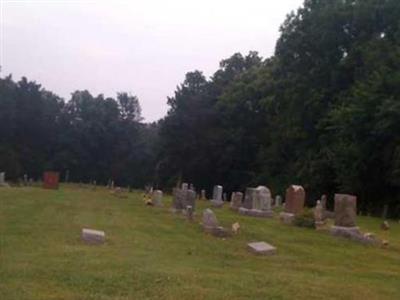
(30, 181)
(190, 199)
(209, 219)
(25, 179)
(185, 186)
(217, 196)
(2, 179)
(210, 224)
(94, 185)
(264, 199)
(51, 180)
(224, 197)
(318, 211)
(324, 200)
(345, 220)
(203, 195)
(191, 187)
(236, 200)
(112, 184)
(278, 201)
(294, 200)
(261, 248)
(66, 179)
(157, 198)
(93, 237)
(345, 210)
(249, 196)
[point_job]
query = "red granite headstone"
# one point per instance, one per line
(345, 210)
(295, 197)
(50, 180)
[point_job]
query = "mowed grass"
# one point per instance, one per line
(151, 253)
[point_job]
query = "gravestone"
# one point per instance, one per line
(203, 195)
(324, 200)
(112, 184)
(259, 200)
(217, 196)
(191, 187)
(210, 224)
(25, 179)
(185, 186)
(51, 180)
(294, 200)
(345, 220)
(236, 200)
(249, 196)
(294, 203)
(318, 211)
(278, 201)
(157, 198)
(2, 179)
(93, 237)
(66, 179)
(261, 248)
(190, 199)
(345, 210)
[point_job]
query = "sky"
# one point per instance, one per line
(141, 47)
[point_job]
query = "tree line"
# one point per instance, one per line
(323, 112)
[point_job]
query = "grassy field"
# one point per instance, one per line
(151, 253)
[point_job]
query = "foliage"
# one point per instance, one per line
(305, 219)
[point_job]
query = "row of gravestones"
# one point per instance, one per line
(25, 181)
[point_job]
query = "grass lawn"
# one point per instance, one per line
(151, 253)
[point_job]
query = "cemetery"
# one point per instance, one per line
(88, 244)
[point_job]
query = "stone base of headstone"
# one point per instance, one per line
(286, 218)
(354, 234)
(216, 203)
(218, 231)
(256, 213)
(93, 237)
(261, 248)
(319, 225)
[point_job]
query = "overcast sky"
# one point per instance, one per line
(142, 47)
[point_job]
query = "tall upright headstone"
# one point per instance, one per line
(345, 210)
(2, 178)
(51, 180)
(190, 199)
(236, 200)
(249, 196)
(278, 201)
(157, 198)
(203, 195)
(217, 196)
(294, 200)
(264, 198)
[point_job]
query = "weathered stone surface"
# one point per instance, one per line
(236, 200)
(261, 248)
(318, 210)
(256, 213)
(354, 234)
(263, 200)
(178, 199)
(286, 218)
(294, 200)
(278, 201)
(249, 196)
(217, 193)
(209, 219)
(324, 200)
(203, 195)
(345, 210)
(190, 199)
(50, 180)
(3, 182)
(157, 198)
(94, 237)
